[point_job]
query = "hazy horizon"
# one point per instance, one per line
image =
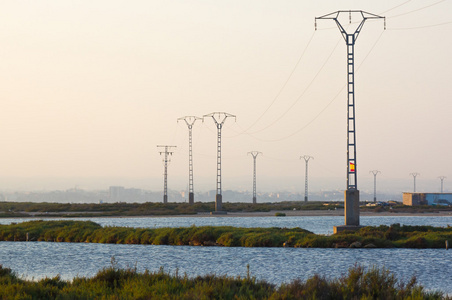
(268, 185)
(89, 89)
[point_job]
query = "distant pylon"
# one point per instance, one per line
(306, 159)
(375, 172)
(415, 174)
(219, 118)
(166, 161)
(190, 120)
(442, 180)
(254, 154)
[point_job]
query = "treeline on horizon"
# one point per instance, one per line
(116, 283)
(227, 236)
(24, 209)
(12, 209)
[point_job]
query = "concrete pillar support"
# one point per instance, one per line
(218, 202)
(351, 208)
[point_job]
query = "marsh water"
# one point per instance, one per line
(432, 267)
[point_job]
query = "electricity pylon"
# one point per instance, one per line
(415, 174)
(352, 192)
(190, 120)
(254, 154)
(442, 180)
(166, 160)
(375, 172)
(306, 159)
(219, 118)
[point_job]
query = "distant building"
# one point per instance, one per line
(413, 199)
(116, 192)
(120, 194)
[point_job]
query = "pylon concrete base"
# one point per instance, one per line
(218, 202)
(351, 207)
(351, 212)
(191, 198)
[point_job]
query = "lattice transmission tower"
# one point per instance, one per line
(254, 154)
(442, 181)
(219, 118)
(190, 121)
(375, 172)
(306, 159)
(352, 192)
(166, 160)
(414, 174)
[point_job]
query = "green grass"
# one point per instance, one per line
(87, 231)
(115, 283)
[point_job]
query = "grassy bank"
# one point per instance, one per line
(90, 232)
(25, 209)
(114, 283)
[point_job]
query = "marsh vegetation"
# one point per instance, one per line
(116, 283)
(382, 236)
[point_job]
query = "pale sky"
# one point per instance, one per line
(90, 88)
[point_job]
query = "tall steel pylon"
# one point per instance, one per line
(350, 40)
(166, 160)
(415, 174)
(306, 159)
(442, 181)
(352, 192)
(375, 172)
(254, 154)
(190, 121)
(219, 118)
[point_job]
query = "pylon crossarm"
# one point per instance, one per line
(367, 15)
(333, 15)
(358, 29)
(189, 120)
(341, 29)
(217, 119)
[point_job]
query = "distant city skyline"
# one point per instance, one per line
(88, 89)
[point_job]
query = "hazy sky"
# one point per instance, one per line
(90, 88)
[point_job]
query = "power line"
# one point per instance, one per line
(395, 7)
(416, 10)
(302, 94)
(421, 27)
(324, 108)
(284, 85)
